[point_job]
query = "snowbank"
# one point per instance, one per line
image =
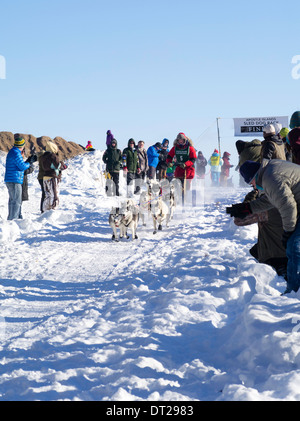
(186, 314)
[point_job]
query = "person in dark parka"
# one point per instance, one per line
(112, 157)
(200, 165)
(131, 164)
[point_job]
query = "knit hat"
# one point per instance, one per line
(248, 170)
(19, 142)
(277, 127)
(158, 145)
(283, 132)
(51, 147)
(216, 151)
(269, 129)
(295, 120)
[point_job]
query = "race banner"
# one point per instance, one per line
(254, 126)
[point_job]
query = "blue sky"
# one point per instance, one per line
(146, 69)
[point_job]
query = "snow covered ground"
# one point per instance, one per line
(183, 315)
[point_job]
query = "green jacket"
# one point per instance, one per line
(112, 157)
(130, 159)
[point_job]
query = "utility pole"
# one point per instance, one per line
(219, 140)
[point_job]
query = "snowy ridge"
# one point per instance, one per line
(186, 314)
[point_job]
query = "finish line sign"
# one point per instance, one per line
(254, 126)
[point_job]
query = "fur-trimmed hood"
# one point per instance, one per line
(189, 142)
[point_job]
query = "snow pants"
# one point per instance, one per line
(51, 194)
(215, 178)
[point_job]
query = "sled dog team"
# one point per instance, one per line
(126, 217)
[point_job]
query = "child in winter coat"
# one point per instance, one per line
(89, 146)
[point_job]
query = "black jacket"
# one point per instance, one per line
(112, 157)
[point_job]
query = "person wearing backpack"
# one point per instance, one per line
(215, 163)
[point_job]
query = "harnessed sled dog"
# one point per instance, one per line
(159, 209)
(160, 213)
(114, 221)
(144, 206)
(161, 206)
(124, 218)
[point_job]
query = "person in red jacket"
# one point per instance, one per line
(225, 169)
(184, 155)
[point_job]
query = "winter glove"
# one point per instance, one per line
(239, 210)
(31, 159)
(252, 195)
(285, 237)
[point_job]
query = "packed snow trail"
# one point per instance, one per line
(186, 314)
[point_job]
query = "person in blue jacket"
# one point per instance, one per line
(153, 158)
(14, 175)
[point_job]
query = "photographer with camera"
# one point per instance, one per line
(280, 182)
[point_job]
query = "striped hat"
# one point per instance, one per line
(19, 142)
